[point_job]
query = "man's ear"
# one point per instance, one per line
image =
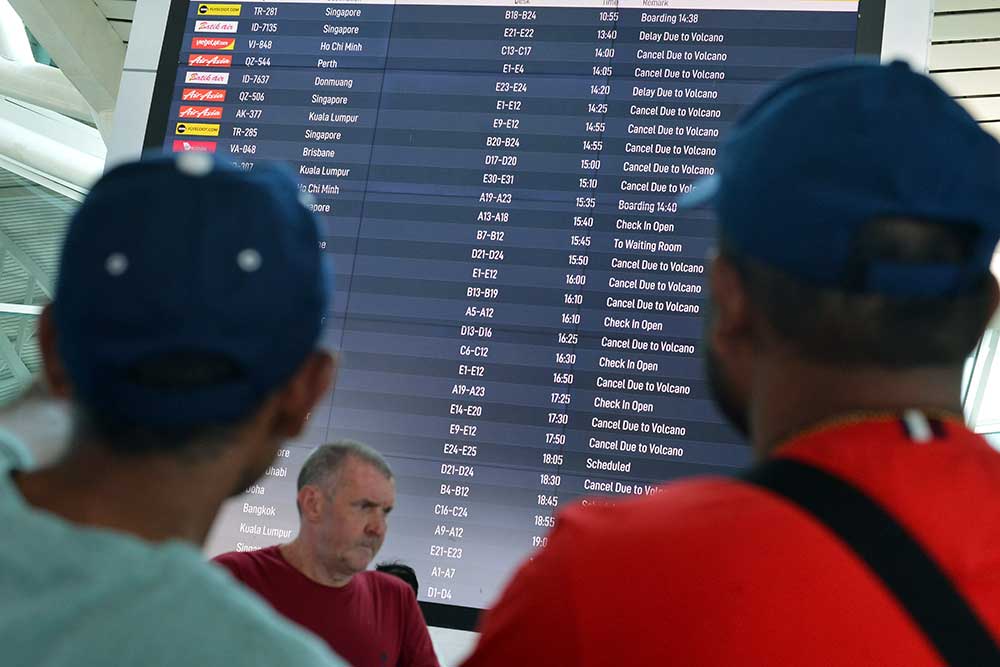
(310, 383)
(730, 327)
(52, 365)
(310, 500)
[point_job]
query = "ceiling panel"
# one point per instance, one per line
(122, 10)
(119, 14)
(961, 26)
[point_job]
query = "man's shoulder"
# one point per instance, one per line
(150, 604)
(696, 504)
(226, 617)
(674, 525)
(250, 562)
(241, 557)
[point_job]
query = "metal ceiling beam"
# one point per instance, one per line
(14, 45)
(10, 383)
(50, 149)
(43, 279)
(43, 86)
(980, 381)
(88, 50)
(23, 332)
(995, 324)
(20, 310)
(14, 363)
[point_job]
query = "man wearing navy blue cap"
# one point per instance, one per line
(184, 333)
(858, 209)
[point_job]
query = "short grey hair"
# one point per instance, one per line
(327, 460)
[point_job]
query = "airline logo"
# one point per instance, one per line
(201, 113)
(213, 43)
(216, 26)
(203, 95)
(207, 78)
(218, 10)
(198, 129)
(185, 146)
(214, 60)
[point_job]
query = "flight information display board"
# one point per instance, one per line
(519, 300)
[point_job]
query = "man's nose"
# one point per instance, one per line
(377, 526)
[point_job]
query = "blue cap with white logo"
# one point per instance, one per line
(835, 148)
(187, 259)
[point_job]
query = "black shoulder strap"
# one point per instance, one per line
(907, 570)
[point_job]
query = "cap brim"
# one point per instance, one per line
(702, 194)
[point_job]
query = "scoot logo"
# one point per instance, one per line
(219, 10)
(198, 129)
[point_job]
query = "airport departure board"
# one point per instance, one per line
(519, 300)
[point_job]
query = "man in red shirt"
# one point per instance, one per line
(858, 209)
(320, 581)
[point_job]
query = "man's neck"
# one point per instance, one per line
(798, 396)
(302, 557)
(155, 498)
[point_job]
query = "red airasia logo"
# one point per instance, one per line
(213, 43)
(215, 60)
(203, 95)
(204, 113)
(187, 146)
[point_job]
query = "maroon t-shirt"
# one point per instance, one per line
(373, 621)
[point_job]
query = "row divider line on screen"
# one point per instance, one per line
(361, 218)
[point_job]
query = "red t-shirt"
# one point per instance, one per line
(373, 621)
(718, 572)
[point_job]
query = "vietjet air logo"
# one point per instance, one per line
(207, 78)
(213, 43)
(200, 113)
(214, 60)
(198, 129)
(203, 95)
(218, 10)
(185, 146)
(216, 26)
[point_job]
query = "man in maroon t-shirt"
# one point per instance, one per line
(320, 581)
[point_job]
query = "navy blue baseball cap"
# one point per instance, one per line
(837, 147)
(176, 260)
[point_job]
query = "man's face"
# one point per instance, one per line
(724, 394)
(351, 523)
(726, 360)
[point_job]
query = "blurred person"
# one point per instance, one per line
(186, 365)
(858, 208)
(320, 579)
(402, 571)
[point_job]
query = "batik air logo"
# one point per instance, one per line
(203, 113)
(203, 95)
(206, 60)
(187, 146)
(213, 43)
(207, 78)
(216, 26)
